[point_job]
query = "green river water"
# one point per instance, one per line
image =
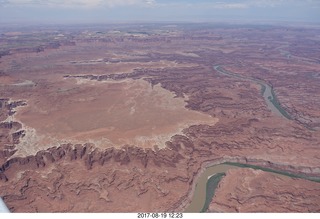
(210, 178)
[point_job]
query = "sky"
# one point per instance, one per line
(109, 11)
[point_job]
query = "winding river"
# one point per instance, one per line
(210, 178)
(200, 197)
(266, 91)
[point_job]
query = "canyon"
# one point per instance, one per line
(103, 120)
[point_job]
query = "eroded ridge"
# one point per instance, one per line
(10, 130)
(248, 190)
(113, 120)
(112, 114)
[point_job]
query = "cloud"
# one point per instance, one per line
(237, 4)
(225, 5)
(277, 3)
(78, 3)
(243, 4)
(217, 4)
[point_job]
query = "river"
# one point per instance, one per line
(200, 193)
(210, 178)
(266, 90)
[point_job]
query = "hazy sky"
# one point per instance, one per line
(104, 11)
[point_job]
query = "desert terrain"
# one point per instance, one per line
(259, 191)
(136, 118)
